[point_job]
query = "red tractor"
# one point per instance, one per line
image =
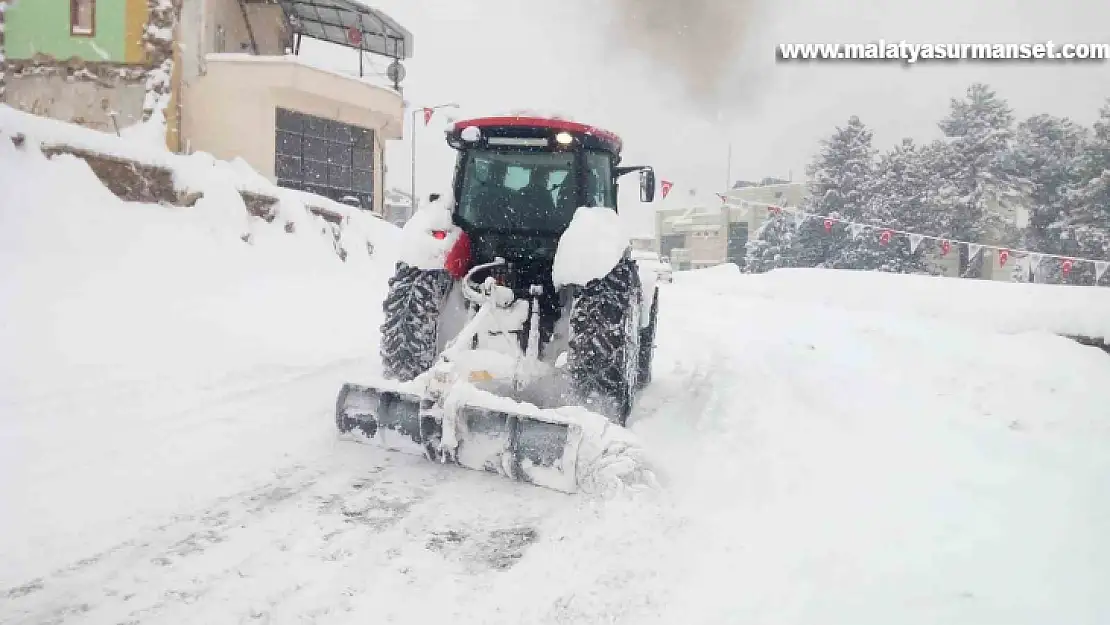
(518, 329)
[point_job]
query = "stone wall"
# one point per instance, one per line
(89, 100)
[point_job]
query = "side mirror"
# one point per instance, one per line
(647, 185)
(433, 197)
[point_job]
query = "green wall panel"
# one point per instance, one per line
(42, 26)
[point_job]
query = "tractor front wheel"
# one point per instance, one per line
(603, 357)
(412, 307)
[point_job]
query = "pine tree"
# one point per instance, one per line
(841, 182)
(772, 246)
(1085, 231)
(901, 200)
(1047, 151)
(982, 179)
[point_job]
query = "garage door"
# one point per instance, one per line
(325, 157)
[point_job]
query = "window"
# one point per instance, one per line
(515, 191)
(599, 180)
(82, 17)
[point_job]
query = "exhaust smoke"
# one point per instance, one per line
(698, 42)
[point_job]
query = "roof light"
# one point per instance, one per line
(470, 134)
(524, 141)
(564, 138)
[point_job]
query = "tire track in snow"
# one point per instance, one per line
(296, 547)
(192, 556)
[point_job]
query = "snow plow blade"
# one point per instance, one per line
(543, 448)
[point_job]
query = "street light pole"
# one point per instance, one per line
(728, 176)
(412, 166)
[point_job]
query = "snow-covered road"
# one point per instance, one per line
(824, 467)
(168, 454)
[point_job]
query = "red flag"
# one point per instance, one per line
(428, 115)
(884, 238)
(775, 210)
(665, 187)
(945, 247)
(1067, 266)
(1003, 256)
(828, 225)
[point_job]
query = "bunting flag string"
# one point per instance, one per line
(915, 242)
(1029, 259)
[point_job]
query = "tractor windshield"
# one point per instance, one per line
(516, 190)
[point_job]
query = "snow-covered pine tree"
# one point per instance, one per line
(841, 181)
(1046, 153)
(1085, 231)
(772, 246)
(982, 180)
(901, 200)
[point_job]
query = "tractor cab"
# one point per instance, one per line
(519, 180)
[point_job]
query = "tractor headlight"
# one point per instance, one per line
(564, 138)
(470, 134)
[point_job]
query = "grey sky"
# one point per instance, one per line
(580, 57)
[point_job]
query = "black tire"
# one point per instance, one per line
(647, 343)
(604, 345)
(410, 329)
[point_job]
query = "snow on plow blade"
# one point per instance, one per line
(569, 450)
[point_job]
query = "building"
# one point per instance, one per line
(642, 243)
(704, 235)
(86, 61)
(226, 77)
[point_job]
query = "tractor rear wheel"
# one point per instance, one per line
(603, 357)
(409, 332)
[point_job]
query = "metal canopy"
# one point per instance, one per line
(349, 23)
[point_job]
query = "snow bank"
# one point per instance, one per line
(999, 306)
(89, 281)
(122, 318)
(52, 131)
(845, 465)
(202, 173)
(592, 245)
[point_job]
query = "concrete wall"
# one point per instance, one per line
(42, 27)
(78, 101)
(217, 26)
(229, 112)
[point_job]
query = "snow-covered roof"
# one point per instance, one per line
(333, 20)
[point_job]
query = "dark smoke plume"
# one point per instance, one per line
(698, 42)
